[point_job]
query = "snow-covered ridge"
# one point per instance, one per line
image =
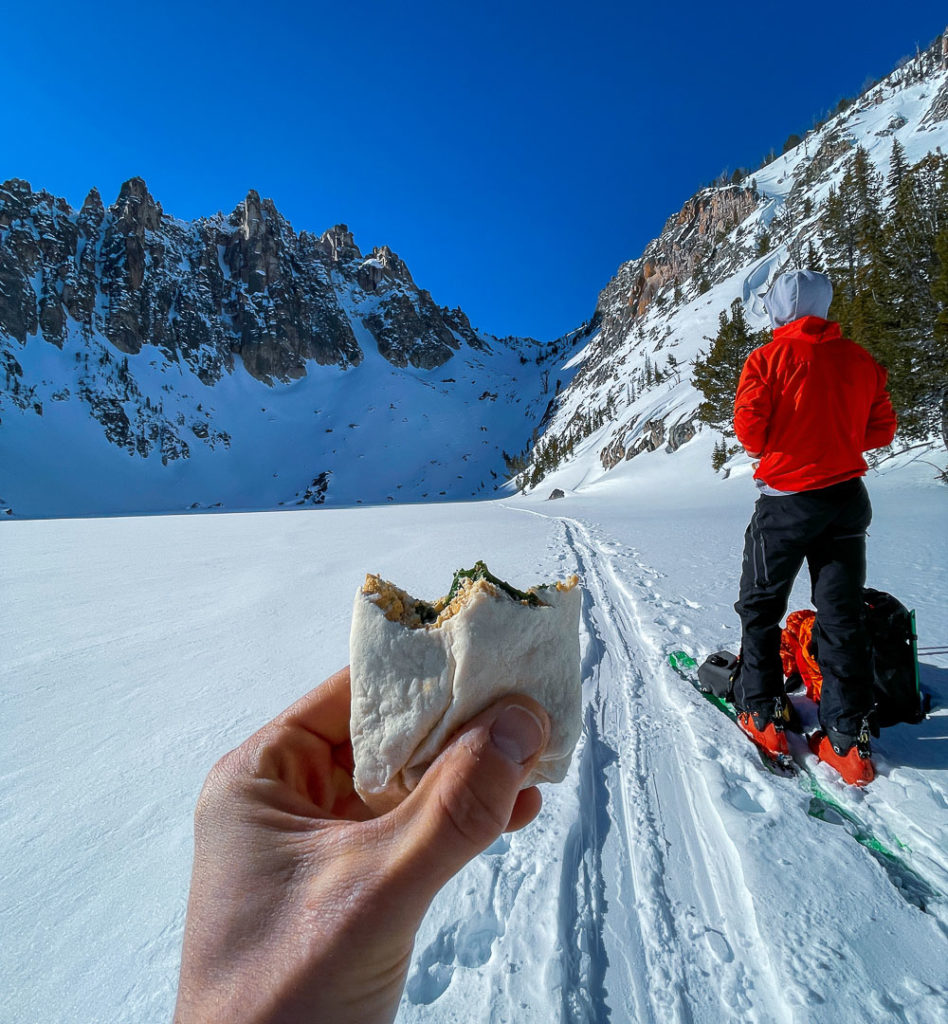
(632, 392)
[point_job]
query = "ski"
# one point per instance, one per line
(823, 805)
(687, 669)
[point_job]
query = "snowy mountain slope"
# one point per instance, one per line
(632, 391)
(148, 364)
(371, 433)
(669, 878)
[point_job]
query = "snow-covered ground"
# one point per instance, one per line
(670, 878)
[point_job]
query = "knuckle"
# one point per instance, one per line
(229, 776)
(474, 819)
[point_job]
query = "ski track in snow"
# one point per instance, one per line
(658, 921)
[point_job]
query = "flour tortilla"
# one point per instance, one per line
(412, 688)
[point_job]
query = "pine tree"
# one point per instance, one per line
(716, 374)
(909, 292)
(852, 242)
(720, 455)
(891, 287)
(897, 167)
(674, 367)
(938, 368)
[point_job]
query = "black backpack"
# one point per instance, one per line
(895, 681)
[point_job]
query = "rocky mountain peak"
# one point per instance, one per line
(15, 200)
(135, 209)
(339, 244)
(92, 206)
(247, 286)
(16, 188)
(255, 216)
(382, 264)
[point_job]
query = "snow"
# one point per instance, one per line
(668, 878)
(384, 433)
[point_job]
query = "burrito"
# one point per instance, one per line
(420, 670)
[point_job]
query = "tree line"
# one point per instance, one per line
(884, 244)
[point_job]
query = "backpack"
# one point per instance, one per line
(895, 682)
(798, 654)
(898, 696)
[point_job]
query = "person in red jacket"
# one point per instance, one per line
(808, 404)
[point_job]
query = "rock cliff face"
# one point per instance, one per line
(246, 285)
(632, 392)
(148, 364)
(700, 241)
(705, 241)
(692, 241)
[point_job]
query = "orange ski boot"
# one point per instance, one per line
(766, 730)
(848, 755)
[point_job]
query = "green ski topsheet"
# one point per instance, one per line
(824, 806)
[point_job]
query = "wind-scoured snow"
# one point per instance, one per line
(669, 878)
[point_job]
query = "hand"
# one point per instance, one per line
(302, 906)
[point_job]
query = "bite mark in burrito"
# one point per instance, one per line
(421, 669)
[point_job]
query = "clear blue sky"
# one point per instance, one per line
(513, 154)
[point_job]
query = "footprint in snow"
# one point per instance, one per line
(435, 970)
(738, 797)
(475, 938)
(499, 846)
(466, 943)
(719, 945)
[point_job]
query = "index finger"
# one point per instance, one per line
(324, 711)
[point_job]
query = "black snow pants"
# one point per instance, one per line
(827, 528)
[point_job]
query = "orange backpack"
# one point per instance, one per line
(796, 652)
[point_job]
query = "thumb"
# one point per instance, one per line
(466, 798)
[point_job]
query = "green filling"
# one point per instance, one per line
(428, 612)
(481, 572)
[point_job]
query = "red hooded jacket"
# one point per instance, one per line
(809, 403)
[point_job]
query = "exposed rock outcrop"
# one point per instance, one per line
(246, 285)
(633, 439)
